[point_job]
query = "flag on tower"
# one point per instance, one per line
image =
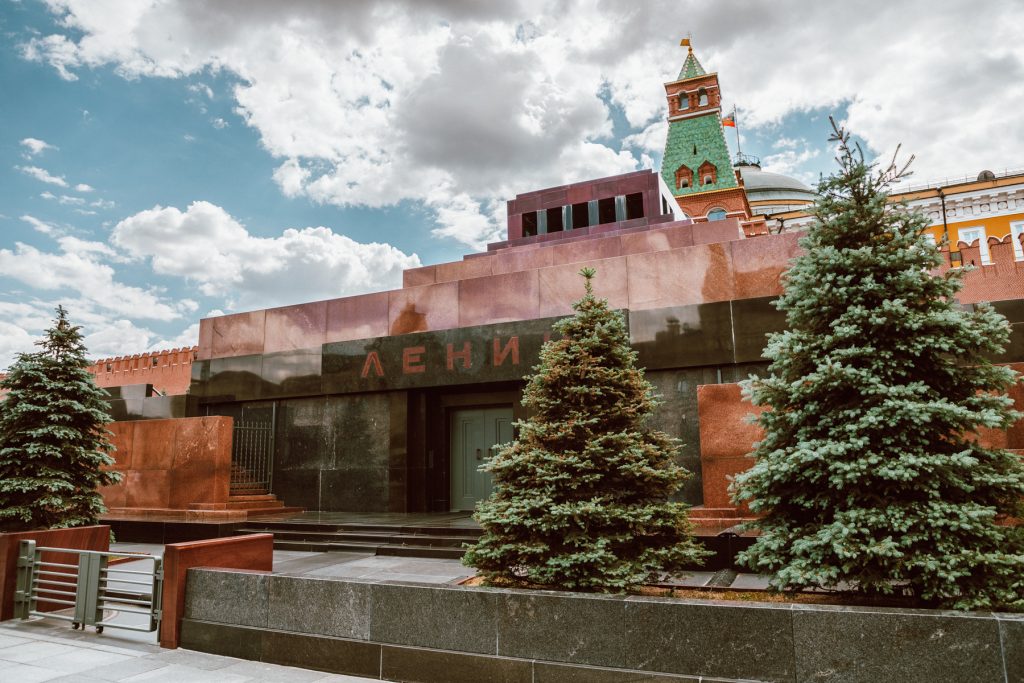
(685, 42)
(729, 121)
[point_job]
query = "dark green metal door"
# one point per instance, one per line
(474, 433)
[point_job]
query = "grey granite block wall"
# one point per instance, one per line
(409, 626)
(332, 608)
(227, 597)
(859, 644)
(408, 615)
(709, 638)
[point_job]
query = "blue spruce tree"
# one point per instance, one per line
(869, 477)
(53, 441)
(582, 498)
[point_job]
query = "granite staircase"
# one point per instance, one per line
(441, 542)
(717, 520)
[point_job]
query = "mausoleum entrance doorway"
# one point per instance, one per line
(474, 434)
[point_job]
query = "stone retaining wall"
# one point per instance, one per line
(424, 633)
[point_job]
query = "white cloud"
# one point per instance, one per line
(14, 339)
(457, 105)
(48, 195)
(39, 225)
(794, 154)
(77, 270)
(82, 187)
(186, 338)
(218, 253)
(117, 338)
(103, 204)
(43, 175)
(76, 201)
(35, 146)
(201, 89)
(219, 123)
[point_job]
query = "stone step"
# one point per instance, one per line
(251, 496)
(701, 512)
(255, 504)
(384, 529)
(363, 538)
(280, 509)
(372, 549)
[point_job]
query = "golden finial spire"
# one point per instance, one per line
(685, 42)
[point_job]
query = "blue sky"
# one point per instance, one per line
(162, 161)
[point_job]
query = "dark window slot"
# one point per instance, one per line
(580, 216)
(634, 206)
(606, 210)
(530, 224)
(555, 223)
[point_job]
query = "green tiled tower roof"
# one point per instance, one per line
(692, 142)
(691, 67)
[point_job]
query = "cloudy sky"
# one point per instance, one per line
(162, 160)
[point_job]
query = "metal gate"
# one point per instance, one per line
(252, 456)
(91, 588)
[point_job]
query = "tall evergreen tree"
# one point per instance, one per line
(581, 498)
(869, 476)
(53, 443)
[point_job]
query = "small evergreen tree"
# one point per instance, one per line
(869, 477)
(581, 498)
(53, 443)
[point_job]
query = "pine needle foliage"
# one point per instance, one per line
(53, 443)
(870, 477)
(581, 498)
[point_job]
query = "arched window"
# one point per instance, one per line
(702, 97)
(684, 101)
(716, 214)
(684, 177)
(708, 173)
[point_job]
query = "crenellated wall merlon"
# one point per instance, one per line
(169, 370)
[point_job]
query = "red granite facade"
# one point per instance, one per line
(728, 435)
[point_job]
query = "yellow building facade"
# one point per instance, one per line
(988, 207)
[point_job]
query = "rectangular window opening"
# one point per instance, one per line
(580, 216)
(530, 224)
(555, 220)
(606, 210)
(635, 206)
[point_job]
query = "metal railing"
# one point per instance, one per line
(93, 590)
(252, 457)
(946, 182)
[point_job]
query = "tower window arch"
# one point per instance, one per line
(716, 214)
(708, 173)
(684, 177)
(684, 101)
(702, 97)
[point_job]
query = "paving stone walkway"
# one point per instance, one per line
(41, 649)
(419, 570)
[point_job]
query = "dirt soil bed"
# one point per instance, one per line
(742, 595)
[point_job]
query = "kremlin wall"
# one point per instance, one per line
(386, 402)
(168, 371)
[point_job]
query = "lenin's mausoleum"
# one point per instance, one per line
(388, 402)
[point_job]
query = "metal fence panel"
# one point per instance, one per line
(89, 589)
(252, 457)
